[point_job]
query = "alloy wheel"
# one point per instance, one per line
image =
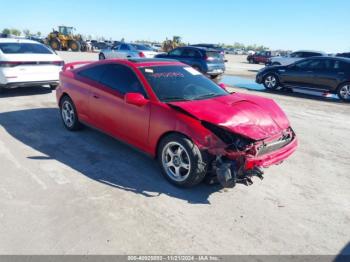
(344, 92)
(68, 114)
(270, 82)
(176, 161)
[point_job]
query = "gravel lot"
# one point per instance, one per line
(86, 193)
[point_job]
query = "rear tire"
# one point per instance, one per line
(181, 161)
(69, 114)
(271, 82)
(343, 92)
(75, 46)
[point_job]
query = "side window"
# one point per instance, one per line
(190, 52)
(310, 54)
(122, 79)
(341, 66)
(296, 55)
(176, 52)
(93, 73)
(124, 47)
(317, 64)
(302, 64)
(116, 47)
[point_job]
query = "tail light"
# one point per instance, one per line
(17, 63)
(58, 63)
(208, 58)
(9, 64)
(141, 54)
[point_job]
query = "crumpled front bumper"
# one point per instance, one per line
(268, 159)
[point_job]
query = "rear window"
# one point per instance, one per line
(215, 55)
(24, 48)
(142, 47)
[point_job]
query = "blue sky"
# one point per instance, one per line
(299, 24)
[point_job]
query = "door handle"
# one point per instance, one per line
(96, 96)
(341, 73)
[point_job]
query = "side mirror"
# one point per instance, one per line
(136, 99)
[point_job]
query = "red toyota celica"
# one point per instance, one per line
(194, 127)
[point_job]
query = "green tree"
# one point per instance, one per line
(15, 32)
(6, 31)
(38, 33)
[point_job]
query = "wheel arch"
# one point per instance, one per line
(165, 135)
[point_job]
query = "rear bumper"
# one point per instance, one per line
(29, 83)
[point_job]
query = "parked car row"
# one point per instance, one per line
(209, 61)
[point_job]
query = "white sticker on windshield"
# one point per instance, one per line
(149, 70)
(192, 71)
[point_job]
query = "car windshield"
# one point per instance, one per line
(24, 48)
(142, 47)
(180, 83)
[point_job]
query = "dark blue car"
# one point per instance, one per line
(208, 61)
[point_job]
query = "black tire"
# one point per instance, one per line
(2, 90)
(75, 124)
(75, 46)
(197, 161)
(215, 76)
(343, 92)
(101, 56)
(55, 44)
(270, 81)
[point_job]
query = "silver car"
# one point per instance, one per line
(125, 51)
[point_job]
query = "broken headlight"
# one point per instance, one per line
(234, 141)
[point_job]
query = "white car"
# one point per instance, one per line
(125, 51)
(27, 63)
(294, 57)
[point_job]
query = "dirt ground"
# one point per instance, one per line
(86, 193)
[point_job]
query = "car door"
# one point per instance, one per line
(297, 74)
(327, 74)
(126, 121)
(88, 80)
(113, 53)
(124, 51)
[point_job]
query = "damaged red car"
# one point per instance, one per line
(192, 126)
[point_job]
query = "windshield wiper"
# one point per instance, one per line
(174, 98)
(206, 96)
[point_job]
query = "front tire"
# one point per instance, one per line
(271, 82)
(75, 46)
(343, 92)
(101, 56)
(181, 161)
(69, 114)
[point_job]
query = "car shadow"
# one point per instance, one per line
(95, 155)
(302, 95)
(25, 91)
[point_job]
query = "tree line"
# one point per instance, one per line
(16, 32)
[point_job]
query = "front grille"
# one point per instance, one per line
(275, 145)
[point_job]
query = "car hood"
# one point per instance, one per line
(248, 115)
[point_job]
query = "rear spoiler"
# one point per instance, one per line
(71, 66)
